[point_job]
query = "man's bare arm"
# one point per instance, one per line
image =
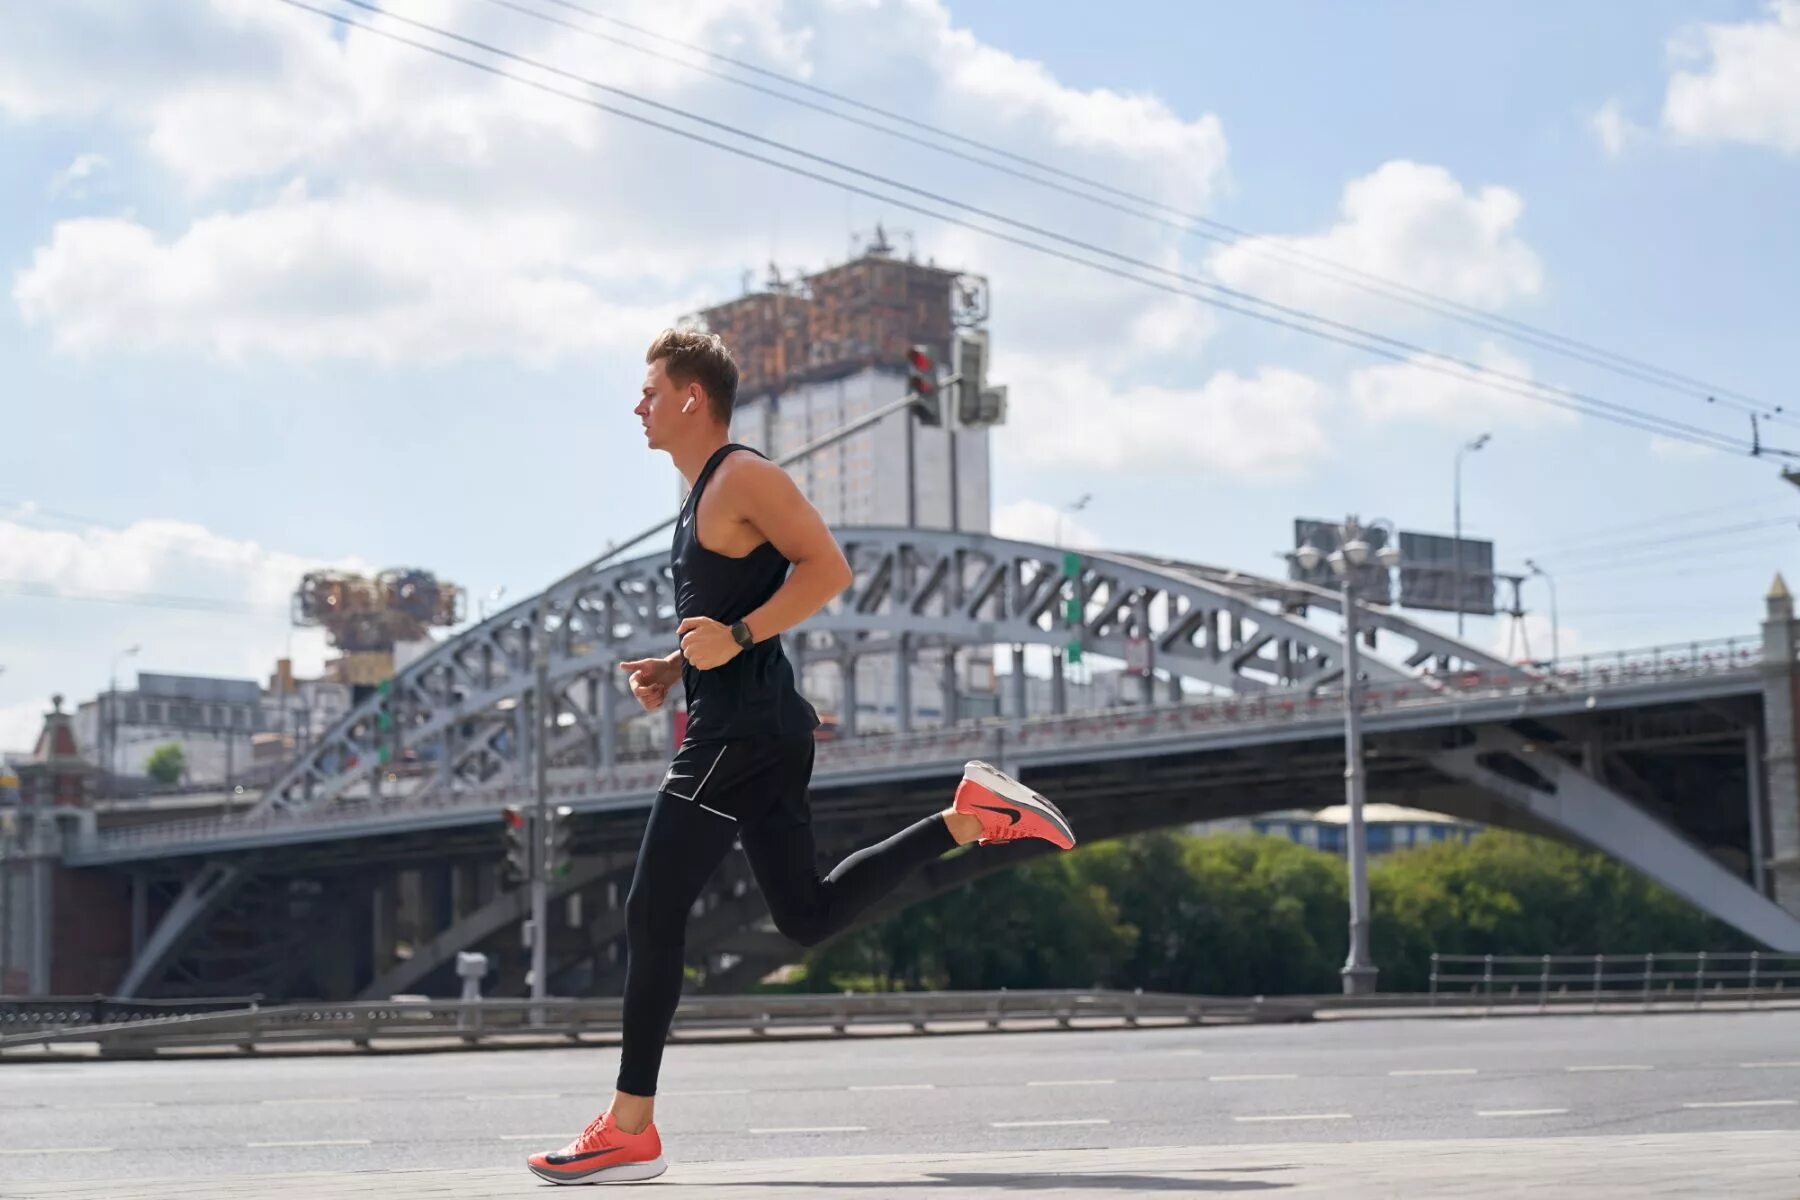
(768, 499)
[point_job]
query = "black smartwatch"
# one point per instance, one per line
(740, 633)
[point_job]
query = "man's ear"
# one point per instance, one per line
(692, 402)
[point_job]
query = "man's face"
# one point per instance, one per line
(660, 407)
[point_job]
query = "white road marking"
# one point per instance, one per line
(1756, 1066)
(320, 1142)
(109, 1105)
(1043, 1124)
(1298, 1117)
(513, 1096)
(892, 1087)
(1069, 1082)
(1614, 1067)
(63, 1150)
(816, 1129)
(316, 1100)
(1245, 1078)
(1436, 1071)
(1740, 1103)
(1520, 1112)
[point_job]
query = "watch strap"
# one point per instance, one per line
(740, 633)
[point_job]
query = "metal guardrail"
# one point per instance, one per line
(1694, 977)
(1272, 709)
(25, 1013)
(360, 1023)
(1501, 982)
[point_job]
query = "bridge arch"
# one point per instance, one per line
(463, 705)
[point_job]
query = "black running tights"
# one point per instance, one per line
(716, 794)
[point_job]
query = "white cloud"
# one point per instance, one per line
(1045, 524)
(73, 181)
(70, 597)
(447, 213)
(1616, 131)
(1746, 87)
(1677, 450)
(1259, 427)
(1407, 223)
(1414, 391)
(360, 276)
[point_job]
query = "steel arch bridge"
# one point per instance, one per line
(460, 704)
(465, 708)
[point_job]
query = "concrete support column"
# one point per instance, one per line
(1780, 779)
(140, 912)
(1059, 696)
(1175, 694)
(384, 903)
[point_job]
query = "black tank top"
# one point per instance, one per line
(753, 695)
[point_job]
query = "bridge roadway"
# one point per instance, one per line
(1032, 744)
(1702, 1104)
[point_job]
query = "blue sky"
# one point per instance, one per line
(276, 296)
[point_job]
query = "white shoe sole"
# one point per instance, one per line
(635, 1172)
(1010, 789)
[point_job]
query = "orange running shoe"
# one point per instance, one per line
(1007, 809)
(603, 1153)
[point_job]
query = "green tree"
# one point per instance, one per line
(1038, 925)
(166, 763)
(1510, 893)
(1227, 915)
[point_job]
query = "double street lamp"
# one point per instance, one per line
(1353, 554)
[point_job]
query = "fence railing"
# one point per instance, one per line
(361, 1022)
(1693, 977)
(995, 735)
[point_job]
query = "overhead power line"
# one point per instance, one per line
(1582, 537)
(34, 590)
(1280, 315)
(1149, 209)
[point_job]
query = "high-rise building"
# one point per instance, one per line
(815, 353)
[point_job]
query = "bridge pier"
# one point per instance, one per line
(1781, 780)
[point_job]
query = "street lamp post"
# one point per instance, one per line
(1359, 971)
(1555, 624)
(1475, 444)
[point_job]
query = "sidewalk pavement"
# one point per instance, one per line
(1743, 1165)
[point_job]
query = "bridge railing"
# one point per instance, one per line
(1695, 977)
(997, 736)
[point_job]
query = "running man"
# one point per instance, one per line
(741, 773)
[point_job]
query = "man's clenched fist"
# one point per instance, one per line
(651, 679)
(707, 644)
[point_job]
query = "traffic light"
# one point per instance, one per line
(971, 375)
(977, 404)
(516, 868)
(922, 386)
(556, 843)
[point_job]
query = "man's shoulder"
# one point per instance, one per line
(746, 470)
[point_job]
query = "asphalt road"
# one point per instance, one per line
(1673, 1077)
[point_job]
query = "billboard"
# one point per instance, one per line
(1428, 574)
(1371, 577)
